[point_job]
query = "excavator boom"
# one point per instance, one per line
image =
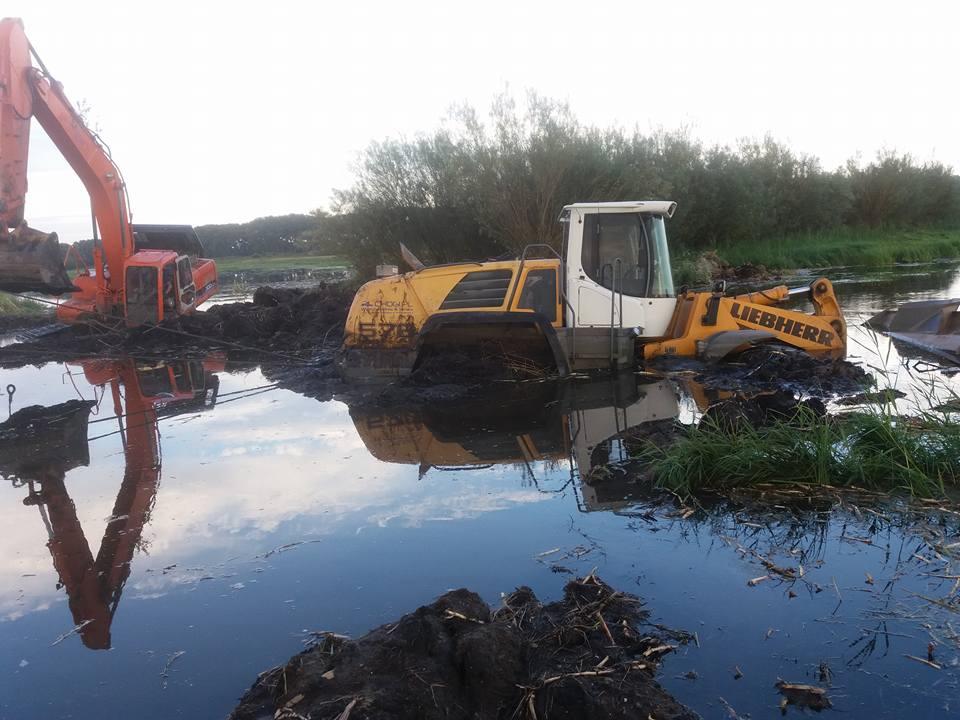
(29, 259)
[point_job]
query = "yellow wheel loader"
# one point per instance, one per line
(607, 301)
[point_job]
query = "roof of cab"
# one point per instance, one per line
(656, 207)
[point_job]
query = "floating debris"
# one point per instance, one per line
(804, 696)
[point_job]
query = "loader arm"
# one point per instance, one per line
(711, 325)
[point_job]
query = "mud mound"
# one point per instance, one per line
(583, 657)
(278, 317)
(286, 323)
(774, 367)
(720, 269)
(763, 410)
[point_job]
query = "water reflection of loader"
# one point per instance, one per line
(40, 445)
(575, 422)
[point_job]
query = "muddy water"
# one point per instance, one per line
(210, 537)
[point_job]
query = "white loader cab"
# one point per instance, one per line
(617, 266)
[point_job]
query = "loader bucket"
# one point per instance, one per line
(30, 261)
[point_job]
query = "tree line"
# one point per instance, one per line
(475, 189)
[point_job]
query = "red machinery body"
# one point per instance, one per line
(142, 393)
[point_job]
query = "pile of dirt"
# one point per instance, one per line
(773, 367)
(720, 269)
(762, 410)
(277, 324)
(588, 656)
(13, 322)
(281, 318)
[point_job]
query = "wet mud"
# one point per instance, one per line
(591, 655)
(278, 324)
(773, 367)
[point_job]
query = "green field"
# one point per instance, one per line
(280, 262)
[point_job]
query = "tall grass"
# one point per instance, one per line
(14, 306)
(875, 449)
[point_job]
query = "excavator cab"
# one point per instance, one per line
(159, 285)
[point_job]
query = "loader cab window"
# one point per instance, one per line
(639, 242)
(608, 238)
(142, 301)
(540, 293)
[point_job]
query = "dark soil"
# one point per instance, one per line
(588, 656)
(762, 410)
(774, 367)
(11, 323)
(280, 324)
(722, 270)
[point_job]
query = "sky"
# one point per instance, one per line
(226, 111)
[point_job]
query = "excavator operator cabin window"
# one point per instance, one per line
(169, 287)
(142, 291)
(184, 273)
(609, 237)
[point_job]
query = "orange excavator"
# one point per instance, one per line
(46, 443)
(142, 274)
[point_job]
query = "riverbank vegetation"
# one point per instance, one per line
(875, 449)
(844, 246)
(16, 306)
(241, 263)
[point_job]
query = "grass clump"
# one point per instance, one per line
(875, 450)
(14, 306)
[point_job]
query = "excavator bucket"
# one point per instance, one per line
(30, 261)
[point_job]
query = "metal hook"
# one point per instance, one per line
(11, 389)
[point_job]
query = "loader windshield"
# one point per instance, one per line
(627, 252)
(661, 273)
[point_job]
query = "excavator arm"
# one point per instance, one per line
(29, 92)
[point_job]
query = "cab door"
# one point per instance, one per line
(611, 271)
(186, 289)
(143, 303)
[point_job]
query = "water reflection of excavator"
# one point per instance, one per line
(577, 422)
(142, 393)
